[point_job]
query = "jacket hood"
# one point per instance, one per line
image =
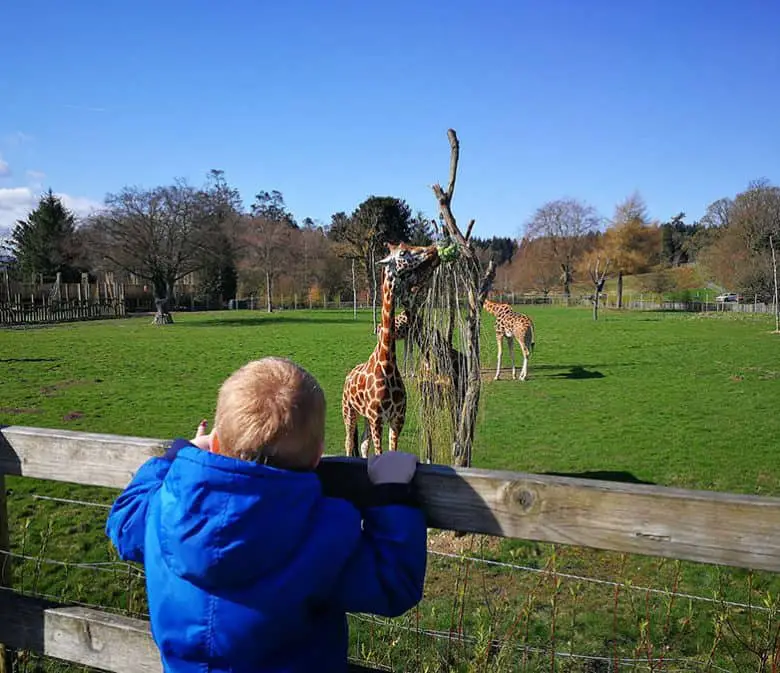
(226, 522)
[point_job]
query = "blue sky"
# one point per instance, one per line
(330, 102)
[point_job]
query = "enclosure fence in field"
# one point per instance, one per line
(709, 527)
(31, 314)
(630, 302)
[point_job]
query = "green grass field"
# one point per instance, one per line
(673, 399)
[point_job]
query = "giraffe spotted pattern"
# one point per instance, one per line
(375, 389)
(400, 326)
(511, 326)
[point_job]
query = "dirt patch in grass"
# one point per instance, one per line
(17, 410)
(449, 542)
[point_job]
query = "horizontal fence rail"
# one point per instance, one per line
(84, 636)
(717, 528)
(709, 527)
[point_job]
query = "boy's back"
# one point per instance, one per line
(250, 568)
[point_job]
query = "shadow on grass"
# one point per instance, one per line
(578, 372)
(603, 475)
(573, 372)
(10, 360)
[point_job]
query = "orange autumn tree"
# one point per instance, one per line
(632, 242)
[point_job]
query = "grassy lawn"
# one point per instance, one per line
(672, 399)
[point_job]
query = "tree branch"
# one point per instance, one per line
(454, 157)
(487, 282)
(445, 197)
(469, 228)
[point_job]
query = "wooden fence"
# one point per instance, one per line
(20, 314)
(717, 528)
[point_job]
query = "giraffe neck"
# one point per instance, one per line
(386, 345)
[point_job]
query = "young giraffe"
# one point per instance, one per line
(400, 326)
(374, 389)
(511, 326)
(400, 333)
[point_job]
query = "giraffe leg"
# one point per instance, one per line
(500, 342)
(376, 437)
(512, 356)
(350, 425)
(524, 370)
(395, 430)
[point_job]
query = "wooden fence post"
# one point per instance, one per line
(6, 654)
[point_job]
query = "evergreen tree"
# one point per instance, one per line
(45, 243)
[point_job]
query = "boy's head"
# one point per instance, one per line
(271, 409)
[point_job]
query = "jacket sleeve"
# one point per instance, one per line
(126, 524)
(386, 572)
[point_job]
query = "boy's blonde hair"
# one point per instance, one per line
(271, 410)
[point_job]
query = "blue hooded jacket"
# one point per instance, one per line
(250, 568)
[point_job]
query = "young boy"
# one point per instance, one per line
(249, 567)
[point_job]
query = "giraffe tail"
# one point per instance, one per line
(532, 332)
(364, 436)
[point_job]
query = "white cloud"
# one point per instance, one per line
(17, 202)
(80, 205)
(5, 169)
(36, 175)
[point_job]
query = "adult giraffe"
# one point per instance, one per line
(374, 389)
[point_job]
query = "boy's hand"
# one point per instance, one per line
(393, 467)
(201, 439)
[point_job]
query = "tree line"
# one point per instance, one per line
(734, 244)
(177, 231)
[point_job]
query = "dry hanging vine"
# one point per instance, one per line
(448, 374)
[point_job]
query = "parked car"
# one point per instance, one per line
(729, 296)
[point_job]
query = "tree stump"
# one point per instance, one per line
(163, 316)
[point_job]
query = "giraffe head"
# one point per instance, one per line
(490, 306)
(410, 265)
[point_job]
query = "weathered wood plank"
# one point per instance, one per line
(709, 527)
(83, 636)
(721, 528)
(79, 635)
(75, 457)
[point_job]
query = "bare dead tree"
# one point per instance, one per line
(477, 285)
(597, 277)
(266, 251)
(160, 235)
(565, 224)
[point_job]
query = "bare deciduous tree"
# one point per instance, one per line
(265, 251)
(598, 274)
(718, 214)
(534, 266)
(756, 215)
(161, 235)
(565, 223)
